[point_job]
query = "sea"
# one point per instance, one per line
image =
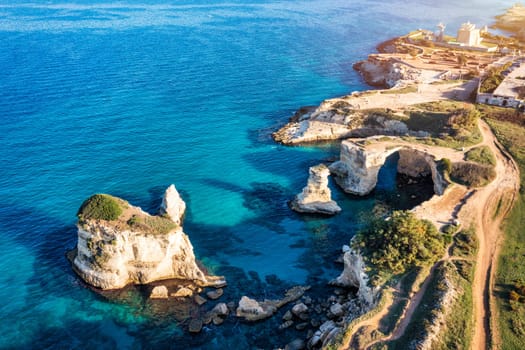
(129, 97)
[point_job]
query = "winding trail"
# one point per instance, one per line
(483, 207)
(477, 208)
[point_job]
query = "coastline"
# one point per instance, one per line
(341, 118)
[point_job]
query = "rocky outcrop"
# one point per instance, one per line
(137, 248)
(316, 196)
(159, 292)
(354, 275)
(415, 163)
(386, 71)
(336, 119)
(357, 170)
(311, 131)
(253, 310)
(172, 205)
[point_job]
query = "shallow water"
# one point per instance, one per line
(129, 98)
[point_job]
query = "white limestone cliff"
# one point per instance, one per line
(357, 170)
(137, 248)
(354, 275)
(172, 205)
(386, 72)
(316, 196)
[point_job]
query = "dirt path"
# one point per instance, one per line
(482, 207)
(373, 321)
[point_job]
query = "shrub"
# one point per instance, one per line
(447, 165)
(482, 155)
(513, 296)
(472, 174)
(399, 243)
(100, 207)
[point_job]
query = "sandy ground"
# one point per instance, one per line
(426, 93)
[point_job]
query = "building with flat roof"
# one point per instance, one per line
(511, 91)
(469, 35)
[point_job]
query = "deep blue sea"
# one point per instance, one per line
(126, 98)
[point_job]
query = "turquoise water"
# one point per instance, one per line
(129, 98)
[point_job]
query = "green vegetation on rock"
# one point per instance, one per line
(398, 244)
(101, 207)
(157, 225)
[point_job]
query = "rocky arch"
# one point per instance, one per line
(357, 170)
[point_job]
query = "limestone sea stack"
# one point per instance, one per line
(316, 197)
(354, 275)
(120, 244)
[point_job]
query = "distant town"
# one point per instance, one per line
(497, 60)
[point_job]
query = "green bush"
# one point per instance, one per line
(447, 164)
(399, 243)
(472, 174)
(100, 207)
(482, 155)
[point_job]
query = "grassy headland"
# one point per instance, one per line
(510, 275)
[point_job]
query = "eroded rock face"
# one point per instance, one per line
(112, 254)
(172, 205)
(354, 275)
(415, 163)
(386, 72)
(356, 171)
(316, 196)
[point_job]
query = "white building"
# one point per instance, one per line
(507, 93)
(468, 35)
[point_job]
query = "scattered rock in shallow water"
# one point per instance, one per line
(159, 292)
(252, 310)
(299, 309)
(301, 326)
(221, 309)
(287, 316)
(336, 310)
(217, 320)
(297, 344)
(199, 300)
(215, 294)
(286, 324)
(195, 325)
(182, 292)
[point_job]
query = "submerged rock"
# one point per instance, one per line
(119, 244)
(316, 197)
(182, 293)
(215, 294)
(195, 325)
(253, 310)
(159, 292)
